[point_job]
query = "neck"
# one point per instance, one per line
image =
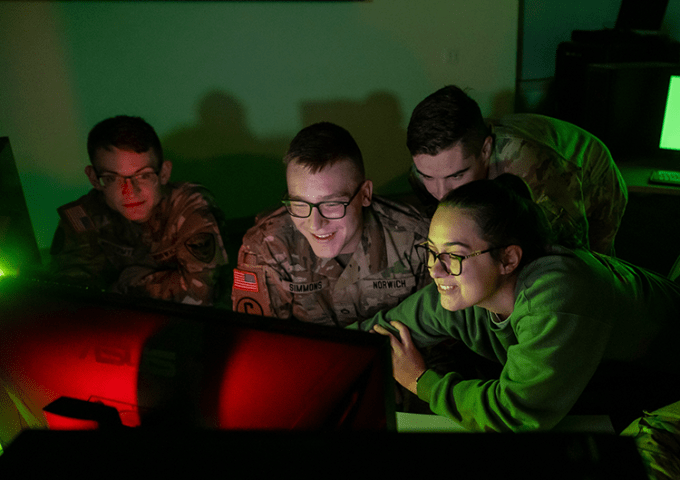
(503, 301)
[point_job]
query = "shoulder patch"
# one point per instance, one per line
(249, 292)
(245, 281)
(78, 218)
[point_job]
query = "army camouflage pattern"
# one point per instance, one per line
(385, 268)
(571, 174)
(177, 255)
(657, 437)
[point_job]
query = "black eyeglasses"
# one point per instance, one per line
(452, 263)
(142, 179)
(331, 210)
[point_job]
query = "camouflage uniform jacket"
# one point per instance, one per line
(571, 174)
(278, 274)
(176, 255)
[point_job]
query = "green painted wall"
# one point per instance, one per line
(228, 84)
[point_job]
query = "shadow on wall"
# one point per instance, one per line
(376, 125)
(537, 96)
(246, 174)
(503, 102)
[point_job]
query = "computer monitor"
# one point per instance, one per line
(160, 364)
(18, 247)
(625, 105)
(670, 129)
(641, 15)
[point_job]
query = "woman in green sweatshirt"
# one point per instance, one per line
(574, 331)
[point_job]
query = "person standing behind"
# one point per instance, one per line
(135, 233)
(570, 172)
(334, 253)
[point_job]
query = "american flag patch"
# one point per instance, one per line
(78, 219)
(246, 281)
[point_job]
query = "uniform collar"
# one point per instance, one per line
(369, 258)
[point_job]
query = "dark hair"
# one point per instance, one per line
(444, 118)
(505, 214)
(321, 145)
(126, 133)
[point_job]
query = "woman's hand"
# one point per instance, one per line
(407, 362)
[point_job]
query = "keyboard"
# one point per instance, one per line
(665, 177)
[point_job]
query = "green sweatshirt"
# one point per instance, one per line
(574, 313)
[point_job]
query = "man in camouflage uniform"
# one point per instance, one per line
(571, 172)
(334, 253)
(134, 232)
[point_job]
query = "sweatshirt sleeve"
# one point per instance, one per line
(550, 348)
(554, 341)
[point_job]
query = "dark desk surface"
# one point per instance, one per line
(637, 173)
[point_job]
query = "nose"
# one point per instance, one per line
(315, 221)
(439, 189)
(128, 187)
(437, 270)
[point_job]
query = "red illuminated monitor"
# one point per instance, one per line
(164, 364)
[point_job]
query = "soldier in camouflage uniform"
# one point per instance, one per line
(134, 232)
(334, 253)
(571, 172)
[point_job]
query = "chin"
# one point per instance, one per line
(136, 217)
(325, 249)
(450, 304)
(325, 252)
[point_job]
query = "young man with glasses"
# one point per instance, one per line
(571, 173)
(333, 253)
(134, 232)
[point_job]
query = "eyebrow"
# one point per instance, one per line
(328, 198)
(454, 174)
(451, 244)
(324, 200)
(135, 173)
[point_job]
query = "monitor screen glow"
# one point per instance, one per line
(670, 131)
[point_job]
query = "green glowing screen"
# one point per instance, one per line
(670, 131)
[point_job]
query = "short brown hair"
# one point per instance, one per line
(443, 119)
(321, 145)
(126, 133)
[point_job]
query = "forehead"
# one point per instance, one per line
(455, 226)
(336, 180)
(123, 162)
(445, 163)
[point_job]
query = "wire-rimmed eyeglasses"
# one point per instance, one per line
(142, 179)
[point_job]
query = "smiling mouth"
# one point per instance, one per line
(132, 205)
(446, 288)
(323, 238)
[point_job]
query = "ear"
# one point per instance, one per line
(92, 177)
(510, 259)
(487, 148)
(166, 170)
(366, 193)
